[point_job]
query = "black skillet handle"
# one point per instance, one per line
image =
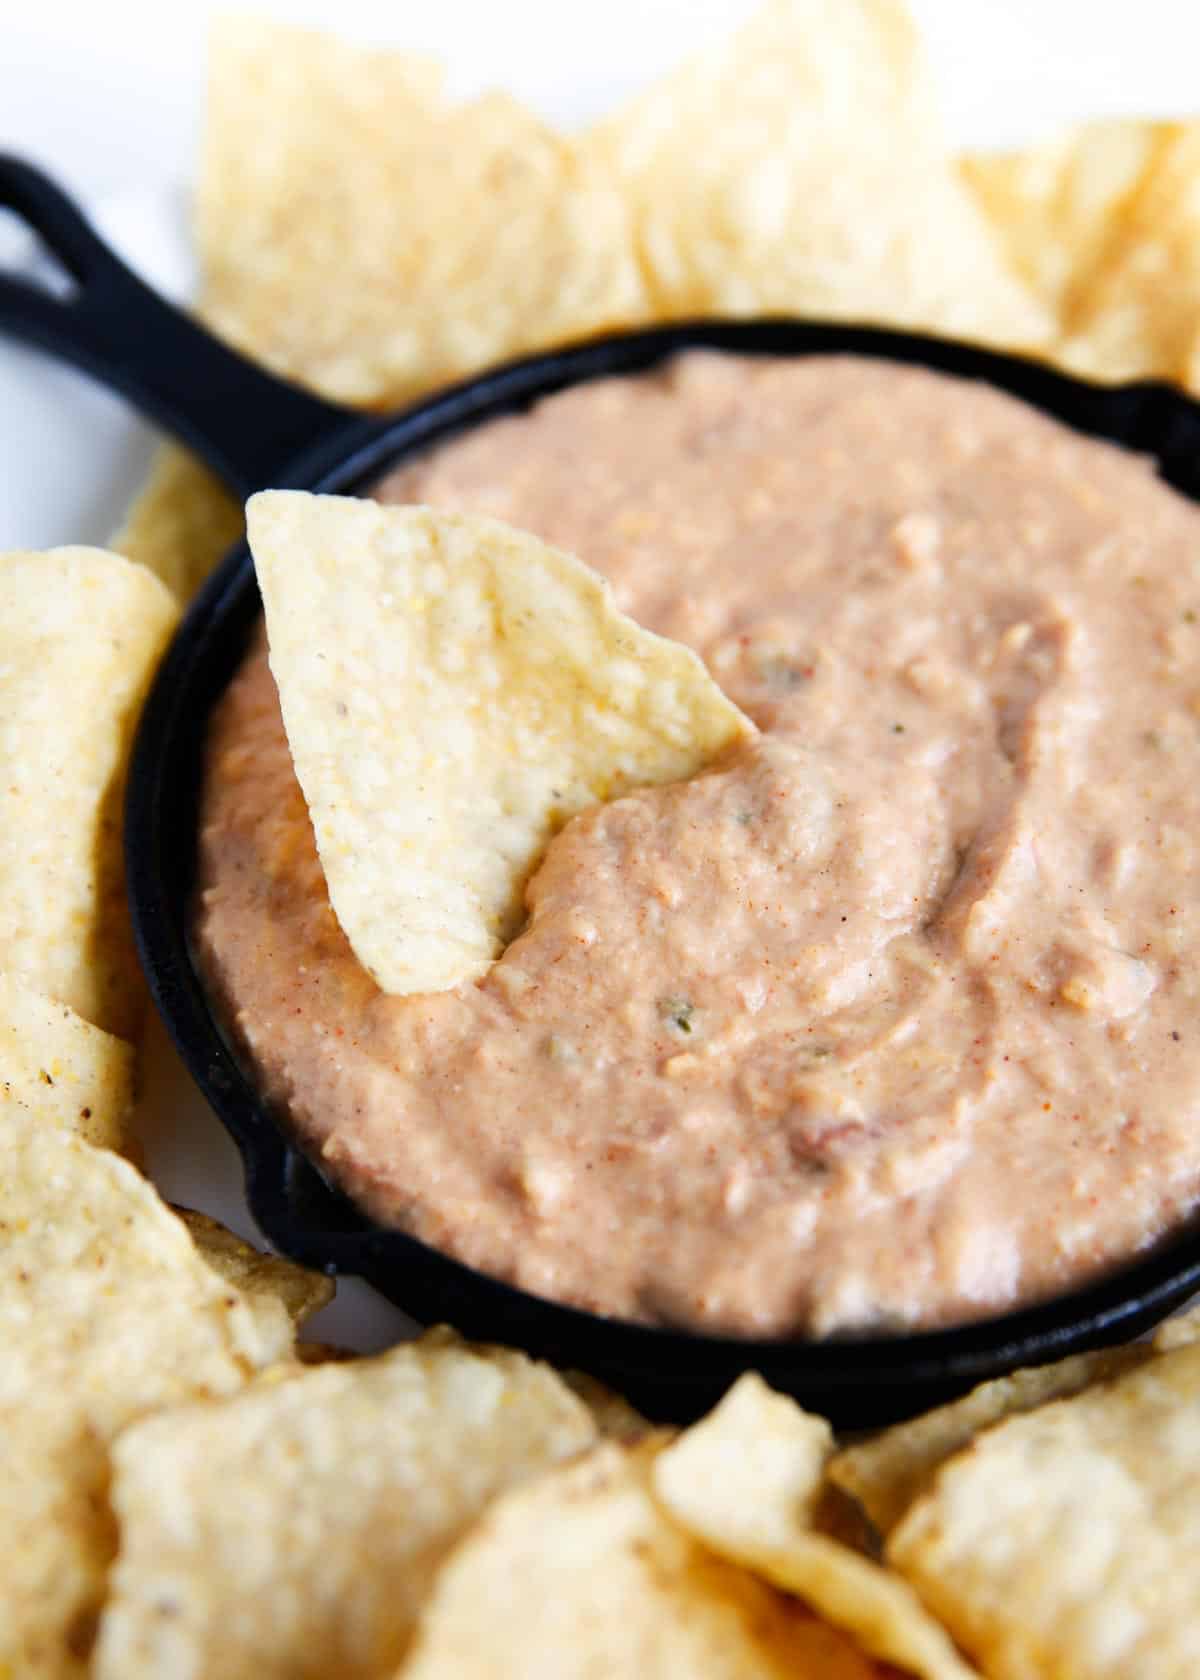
(248, 425)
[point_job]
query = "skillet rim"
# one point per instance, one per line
(669, 1372)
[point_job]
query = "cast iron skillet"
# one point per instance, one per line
(255, 430)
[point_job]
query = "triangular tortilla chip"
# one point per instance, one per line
(453, 691)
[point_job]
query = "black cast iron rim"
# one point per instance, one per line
(671, 1373)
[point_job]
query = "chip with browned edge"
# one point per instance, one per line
(293, 1532)
(270, 1284)
(453, 690)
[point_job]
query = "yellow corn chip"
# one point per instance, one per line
(269, 1284)
(81, 632)
(887, 1472)
(295, 1530)
(1138, 315)
(363, 234)
(758, 1448)
(744, 1481)
(453, 690)
(106, 1313)
(1180, 1331)
(1062, 1543)
(614, 1416)
(181, 524)
(1053, 205)
(323, 1353)
(580, 1576)
(799, 168)
(63, 1070)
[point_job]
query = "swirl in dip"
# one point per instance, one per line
(888, 1020)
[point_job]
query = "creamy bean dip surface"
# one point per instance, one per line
(886, 1021)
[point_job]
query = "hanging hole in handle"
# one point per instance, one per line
(25, 257)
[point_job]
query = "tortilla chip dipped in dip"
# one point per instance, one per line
(453, 691)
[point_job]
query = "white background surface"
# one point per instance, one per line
(107, 94)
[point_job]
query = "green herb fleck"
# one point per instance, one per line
(678, 1013)
(897, 729)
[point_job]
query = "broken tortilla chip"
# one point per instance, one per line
(106, 1313)
(458, 234)
(579, 1574)
(81, 633)
(453, 690)
(295, 1530)
(1056, 1544)
(63, 1070)
(799, 167)
(744, 1481)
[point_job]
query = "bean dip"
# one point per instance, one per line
(888, 1020)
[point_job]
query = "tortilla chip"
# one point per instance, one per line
(81, 633)
(295, 1530)
(453, 690)
(1053, 205)
(1179, 1331)
(579, 1575)
(106, 1313)
(62, 1070)
(269, 1284)
(323, 1353)
(887, 1472)
(800, 168)
(365, 235)
(755, 1443)
(181, 524)
(1138, 316)
(614, 1416)
(1062, 1542)
(744, 1482)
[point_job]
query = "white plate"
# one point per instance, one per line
(108, 98)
